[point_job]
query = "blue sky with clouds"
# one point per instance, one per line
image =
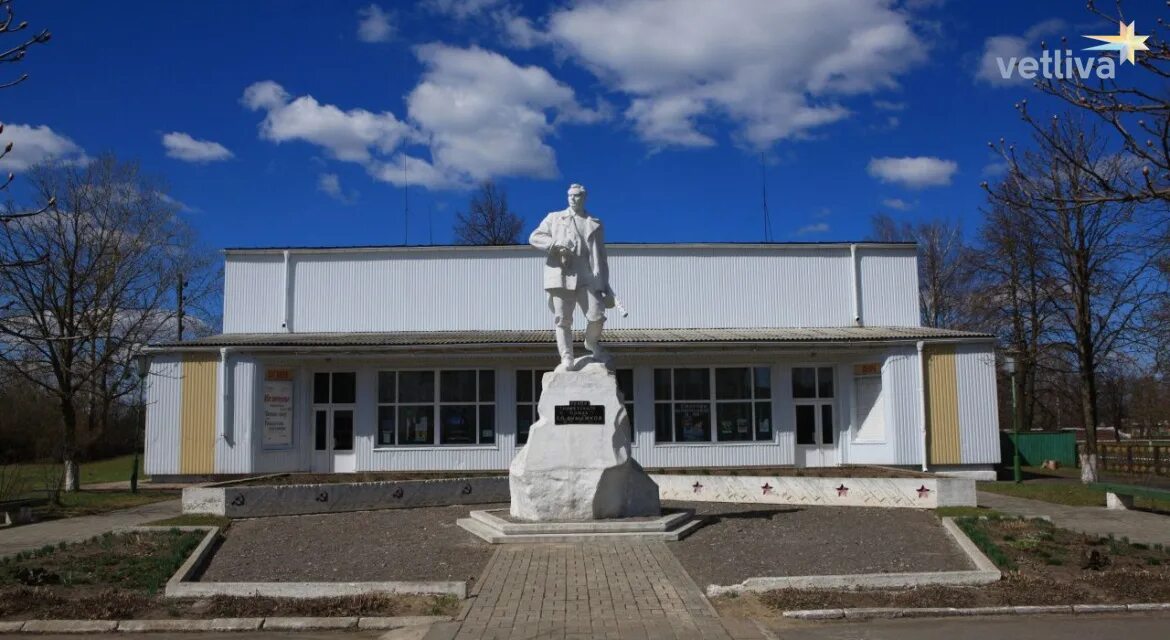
(300, 123)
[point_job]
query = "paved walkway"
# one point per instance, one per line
(36, 535)
(589, 591)
(1138, 526)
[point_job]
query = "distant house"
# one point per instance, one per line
(430, 358)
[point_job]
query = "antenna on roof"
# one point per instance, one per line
(405, 204)
(764, 198)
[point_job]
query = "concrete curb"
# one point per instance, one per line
(985, 573)
(871, 613)
(219, 624)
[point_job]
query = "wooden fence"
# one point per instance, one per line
(1143, 458)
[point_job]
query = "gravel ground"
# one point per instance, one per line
(749, 541)
(392, 544)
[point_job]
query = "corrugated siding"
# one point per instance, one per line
(942, 394)
(978, 403)
(903, 409)
(889, 288)
(254, 285)
(164, 399)
(662, 287)
(197, 422)
(233, 452)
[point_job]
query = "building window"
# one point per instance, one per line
(718, 404)
(813, 393)
(528, 389)
(463, 401)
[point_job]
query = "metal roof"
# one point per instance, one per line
(631, 337)
(844, 244)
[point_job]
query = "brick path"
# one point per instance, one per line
(590, 591)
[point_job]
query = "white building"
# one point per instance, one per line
(429, 358)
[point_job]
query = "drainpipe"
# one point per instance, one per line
(287, 323)
(226, 422)
(855, 280)
(922, 399)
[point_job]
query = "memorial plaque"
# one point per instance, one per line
(579, 412)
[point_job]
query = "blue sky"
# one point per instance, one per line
(289, 123)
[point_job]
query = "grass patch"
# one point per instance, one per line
(966, 512)
(979, 535)
(192, 520)
(116, 469)
(85, 503)
(1072, 494)
(133, 561)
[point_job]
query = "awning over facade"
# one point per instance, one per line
(616, 337)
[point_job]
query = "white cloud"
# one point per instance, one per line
(897, 204)
(776, 69)
(32, 145)
(182, 146)
(998, 50)
(375, 25)
(330, 185)
(481, 116)
(461, 9)
(345, 135)
(812, 229)
(915, 173)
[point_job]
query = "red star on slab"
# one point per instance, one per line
(923, 491)
(767, 488)
(842, 490)
(697, 487)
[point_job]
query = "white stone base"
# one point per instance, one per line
(1117, 502)
(580, 471)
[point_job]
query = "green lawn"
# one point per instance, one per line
(1072, 493)
(34, 477)
(86, 503)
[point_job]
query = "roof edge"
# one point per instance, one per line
(524, 247)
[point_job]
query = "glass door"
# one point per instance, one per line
(816, 425)
(333, 437)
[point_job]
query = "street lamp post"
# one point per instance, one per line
(1009, 365)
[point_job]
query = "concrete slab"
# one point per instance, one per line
(496, 530)
(397, 622)
(69, 626)
(308, 624)
(11, 627)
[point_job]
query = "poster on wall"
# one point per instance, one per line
(278, 408)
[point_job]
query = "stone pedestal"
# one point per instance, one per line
(580, 471)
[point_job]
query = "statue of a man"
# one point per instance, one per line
(575, 273)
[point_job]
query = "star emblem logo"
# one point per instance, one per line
(842, 491)
(923, 491)
(767, 489)
(697, 487)
(1126, 42)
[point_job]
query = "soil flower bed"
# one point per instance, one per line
(1042, 565)
(121, 576)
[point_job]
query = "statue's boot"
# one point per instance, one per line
(565, 345)
(593, 340)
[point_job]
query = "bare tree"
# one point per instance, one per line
(944, 272)
(488, 220)
(1098, 254)
(13, 54)
(71, 324)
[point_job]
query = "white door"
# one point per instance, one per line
(813, 390)
(333, 408)
(333, 440)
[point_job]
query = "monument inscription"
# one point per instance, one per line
(579, 412)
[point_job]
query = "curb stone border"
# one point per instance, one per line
(219, 624)
(870, 613)
(985, 573)
(181, 585)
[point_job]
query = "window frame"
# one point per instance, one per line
(881, 402)
(436, 405)
(713, 403)
(817, 401)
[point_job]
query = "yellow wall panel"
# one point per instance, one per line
(942, 389)
(197, 416)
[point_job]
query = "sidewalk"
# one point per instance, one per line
(1138, 526)
(37, 535)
